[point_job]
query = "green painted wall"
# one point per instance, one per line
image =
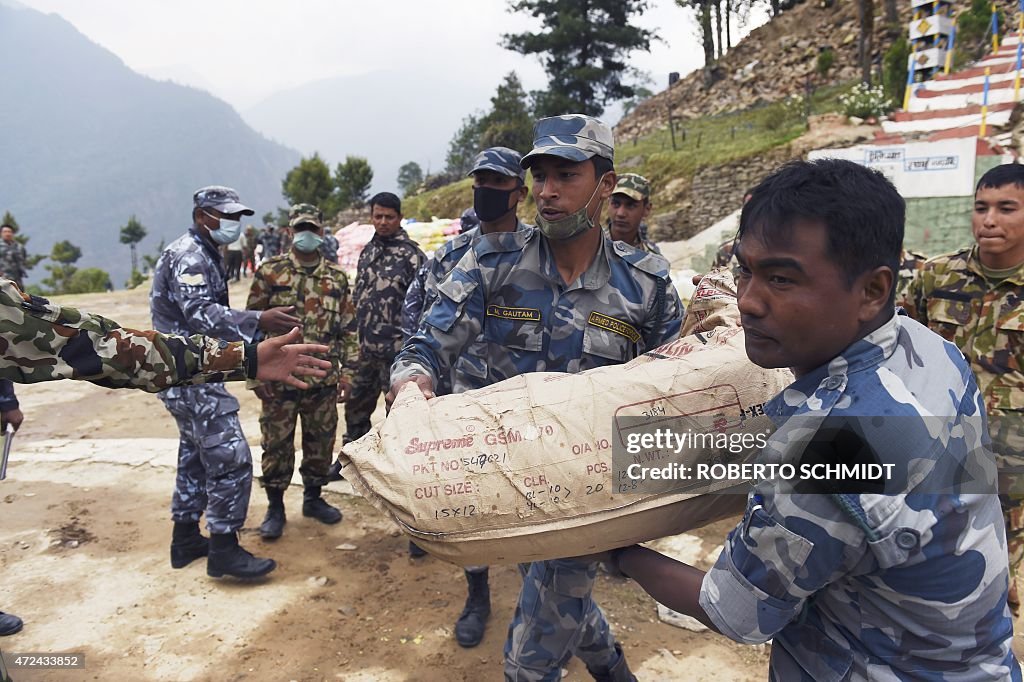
(941, 225)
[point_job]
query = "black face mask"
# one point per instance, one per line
(491, 204)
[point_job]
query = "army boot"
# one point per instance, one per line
(316, 507)
(9, 624)
(187, 544)
(469, 628)
(619, 672)
(273, 522)
(228, 558)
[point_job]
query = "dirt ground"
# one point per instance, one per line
(84, 536)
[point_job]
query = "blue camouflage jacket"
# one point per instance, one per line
(906, 585)
(507, 292)
(190, 293)
(424, 290)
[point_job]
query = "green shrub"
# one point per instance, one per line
(825, 60)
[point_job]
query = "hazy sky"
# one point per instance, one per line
(244, 50)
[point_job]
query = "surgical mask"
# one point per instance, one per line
(491, 204)
(571, 225)
(229, 231)
(307, 241)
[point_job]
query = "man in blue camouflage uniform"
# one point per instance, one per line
(329, 246)
(412, 308)
(560, 298)
(499, 186)
(907, 581)
(386, 269)
(271, 240)
(10, 413)
(629, 206)
(190, 296)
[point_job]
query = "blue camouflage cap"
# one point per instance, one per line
(500, 160)
(223, 199)
(576, 137)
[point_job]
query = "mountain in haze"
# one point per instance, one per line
(389, 117)
(86, 142)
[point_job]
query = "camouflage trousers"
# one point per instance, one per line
(555, 618)
(372, 377)
(214, 462)
(318, 410)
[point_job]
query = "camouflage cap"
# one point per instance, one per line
(634, 186)
(305, 213)
(500, 160)
(223, 199)
(576, 137)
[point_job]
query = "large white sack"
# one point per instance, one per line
(523, 470)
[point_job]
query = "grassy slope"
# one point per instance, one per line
(709, 141)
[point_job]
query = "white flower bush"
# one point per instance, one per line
(865, 101)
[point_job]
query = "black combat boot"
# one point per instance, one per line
(187, 544)
(317, 508)
(9, 624)
(469, 628)
(273, 522)
(228, 558)
(619, 672)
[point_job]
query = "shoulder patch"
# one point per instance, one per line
(651, 263)
(335, 268)
(191, 279)
(957, 259)
(459, 241)
(503, 242)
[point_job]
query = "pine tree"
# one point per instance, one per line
(352, 179)
(509, 124)
(132, 234)
(583, 46)
(410, 176)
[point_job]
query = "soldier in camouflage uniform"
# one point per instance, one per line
(975, 298)
(560, 298)
(384, 273)
(318, 289)
(41, 341)
(10, 413)
(629, 206)
(271, 240)
(12, 257)
(499, 186)
(329, 246)
(189, 296)
(911, 263)
(910, 584)
(412, 307)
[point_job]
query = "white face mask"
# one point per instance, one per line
(228, 232)
(307, 241)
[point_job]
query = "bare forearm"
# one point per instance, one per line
(669, 582)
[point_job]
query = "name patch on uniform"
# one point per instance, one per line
(192, 280)
(506, 313)
(615, 326)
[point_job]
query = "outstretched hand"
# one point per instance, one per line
(280, 358)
